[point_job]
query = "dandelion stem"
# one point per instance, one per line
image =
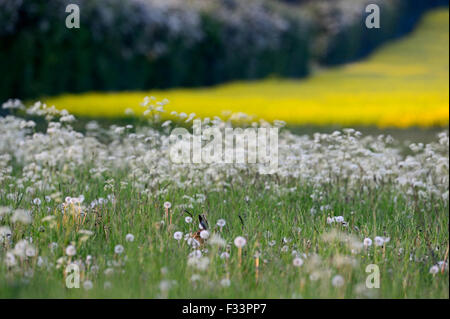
(257, 268)
(240, 255)
(445, 260)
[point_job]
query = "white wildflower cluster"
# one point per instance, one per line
(337, 219)
(366, 164)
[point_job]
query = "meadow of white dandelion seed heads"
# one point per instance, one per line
(344, 158)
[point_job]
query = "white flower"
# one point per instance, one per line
(315, 275)
(225, 282)
(4, 211)
(53, 246)
(86, 232)
(188, 219)
(108, 271)
(224, 255)
(240, 241)
(40, 262)
(204, 234)
(70, 250)
(20, 248)
(10, 260)
(217, 241)
(87, 285)
(178, 235)
(5, 233)
(37, 201)
(193, 242)
(118, 249)
(22, 216)
(297, 262)
(182, 115)
(165, 285)
(167, 205)
(337, 281)
(166, 123)
(48, 218)
(195, 254)
(221, 223)
(339, 219)
(129, 237)
(434, 269)
(30, 251)
(367, 242)
(379, 241)
(201, 263)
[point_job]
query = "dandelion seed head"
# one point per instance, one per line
(221, 223)
(118, 249)
(434, 270)
(379, 241)
(224, 255)
(70, 250)
(240, 241)
(225, 282)
(338, 281)
(204, 234)
(367, 242)
(178, 235)
(297, 262)
(88, 285)
(21, 216)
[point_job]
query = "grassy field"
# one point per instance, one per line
(111, 202)
(105, 197)
(405, 83)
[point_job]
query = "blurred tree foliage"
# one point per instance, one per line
(341, 36)
(144, 44)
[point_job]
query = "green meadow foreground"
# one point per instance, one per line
(110, 203)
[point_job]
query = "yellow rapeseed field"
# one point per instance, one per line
(405, 83)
